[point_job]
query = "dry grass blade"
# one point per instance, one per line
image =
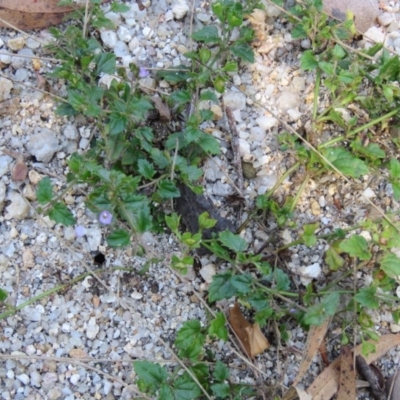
(347, 382)
(315, 337)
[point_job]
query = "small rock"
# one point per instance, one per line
(24, 378)
(207, 272)
(5, 58)
(32, 43)
(109, 38)
(217, 112)
(121, 49)
(124, 34)
(293, 114)
(54, 394)
(5, 88)
(315, 207)
(28, 259)
(92, 328)
(287, 100)
(34, 177)
(18, 209)
(365, 12)
(257, 134)
(244, 147)
(94, 238)
(180, 9)
(385, 19)
(16, 43)
(309, 273)
(43, 144)
(5, 162)
(305, 44)
(234, 100)
(266, 123)
(394, 328)
(368, 193)
(375, 35)
(21, 75)
(70, 132)
(33, 313)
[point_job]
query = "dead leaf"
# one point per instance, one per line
(315, 337)
(257, 21)
(347, 383)
(249, 336)
(327, 383)
(29, 14)
(20, 171)
(295, 393)
(165, 113)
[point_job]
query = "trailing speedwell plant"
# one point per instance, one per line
(130, 174)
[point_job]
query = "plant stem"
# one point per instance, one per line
(57, 289)
(359, 129)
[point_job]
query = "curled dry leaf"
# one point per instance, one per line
(257, 21)
(250, 336)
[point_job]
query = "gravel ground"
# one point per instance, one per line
(120, 316)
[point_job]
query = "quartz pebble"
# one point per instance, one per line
(109, 38)
(18, 208)
(5, 87)
(43, 144)
(266, 123)
(180, 9)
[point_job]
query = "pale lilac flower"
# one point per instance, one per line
(105, 217)
(80, 230)
(143, 72)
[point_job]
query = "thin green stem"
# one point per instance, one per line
(279, 182)
(360, 129)
(56, 289)
(299, 193)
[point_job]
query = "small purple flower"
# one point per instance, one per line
(143, 72)
(105, 217)
(80, 231)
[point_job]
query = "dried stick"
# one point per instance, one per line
(235, 148)
(365, 370)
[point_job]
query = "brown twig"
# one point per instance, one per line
(365, 370)
(235, 147)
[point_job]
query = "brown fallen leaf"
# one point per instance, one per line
(165, 113)
(257, 21)
(250, 336)
(327, 383)
(33, 14)
(315, 337)
(347, 382)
